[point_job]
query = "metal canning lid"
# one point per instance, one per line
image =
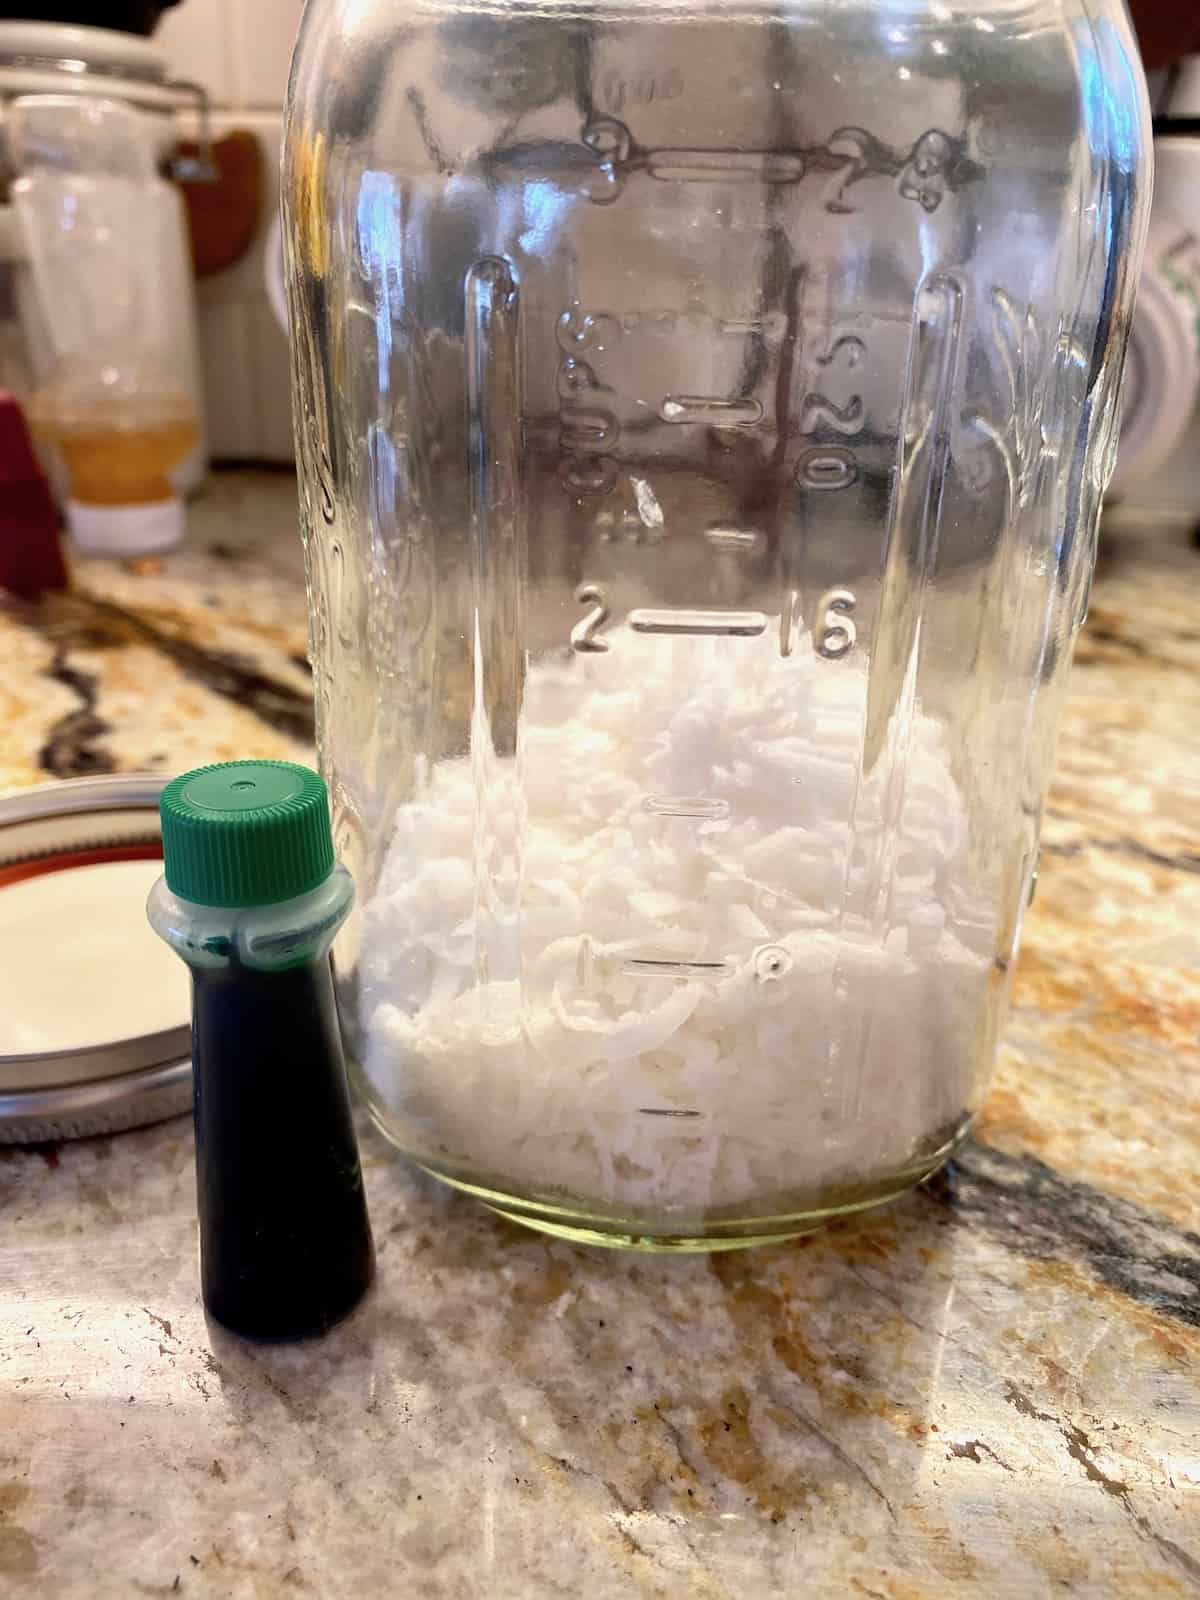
(106, 1014)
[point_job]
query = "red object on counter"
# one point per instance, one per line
(30, 554)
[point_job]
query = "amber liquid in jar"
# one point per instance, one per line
(121, 466)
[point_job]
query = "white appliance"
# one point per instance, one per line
(1160, 426)
(55, 59)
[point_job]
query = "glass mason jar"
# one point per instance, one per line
(703, 415)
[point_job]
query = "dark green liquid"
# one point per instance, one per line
(285, 1243)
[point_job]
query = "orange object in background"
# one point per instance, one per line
(1166, 31)
(223, 216)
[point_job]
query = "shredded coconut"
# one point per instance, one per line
(569, 988)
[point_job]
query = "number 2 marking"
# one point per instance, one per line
(583, 634)
(853, 145)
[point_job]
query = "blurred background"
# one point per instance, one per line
(239, 50)
(236, 52)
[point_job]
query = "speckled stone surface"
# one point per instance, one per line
(991, 1389)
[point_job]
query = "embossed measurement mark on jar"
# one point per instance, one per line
(855, 148)
(646, 967)
(826, 467)
(738, 541)
(817, 410)
(712, 410)
(578, 330)
(611, 143)
(923, 171)
(586, 476)
(771, 326)
(588, 432)
(703, 808)
(722, 624)
(583, 634)
(834, 635)
(665, 620)
(789, 621)
(615, 90)
(588, 428)
(575, 378)
(924, 176)
(849, 348)
(722, 166)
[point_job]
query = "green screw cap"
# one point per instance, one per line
(245, 833)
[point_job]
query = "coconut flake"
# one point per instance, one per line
(831, 1005)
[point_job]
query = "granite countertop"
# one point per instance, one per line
(991, 1387)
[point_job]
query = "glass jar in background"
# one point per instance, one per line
(702, 420)
(99, 229)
